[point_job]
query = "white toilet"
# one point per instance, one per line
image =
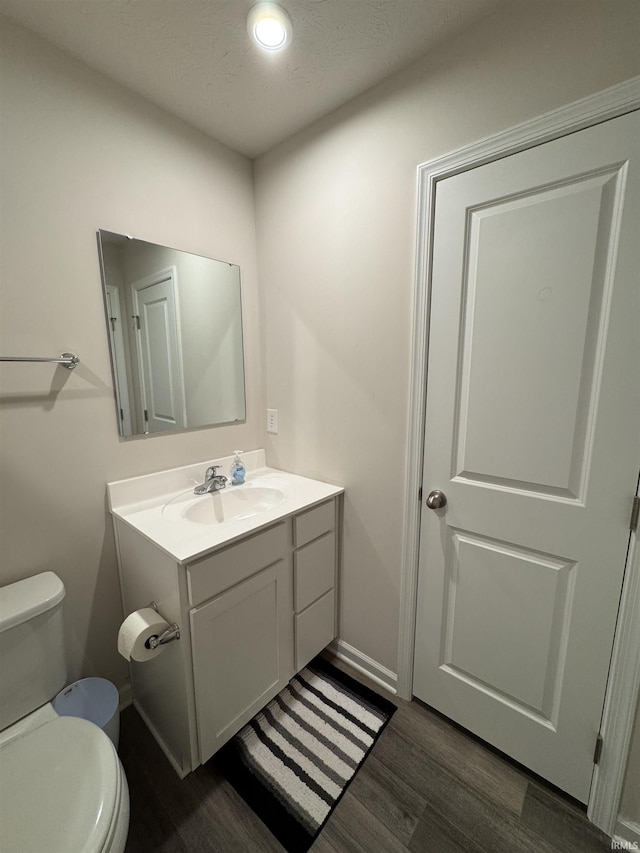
(62, 787)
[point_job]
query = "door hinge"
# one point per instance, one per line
(420, 494)
(136, 317)
(597, 752)
(635, 513)
(121, 415)
(146, 416)
(113, 320)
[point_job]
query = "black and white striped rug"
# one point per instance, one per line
(294, 760)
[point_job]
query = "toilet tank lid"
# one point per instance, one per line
(27, 598)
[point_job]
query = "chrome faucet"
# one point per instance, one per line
(213, 482)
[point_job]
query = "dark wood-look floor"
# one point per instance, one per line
(426, 787)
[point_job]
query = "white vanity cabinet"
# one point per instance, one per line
(251, 614)
(242, 638)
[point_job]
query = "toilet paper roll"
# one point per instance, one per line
(136, 630)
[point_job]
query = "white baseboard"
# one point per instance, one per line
(627, 834)
(364, 664)
(179, 770)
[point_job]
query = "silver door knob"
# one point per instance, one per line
(436, 499)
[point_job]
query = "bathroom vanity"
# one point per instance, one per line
(249, 574)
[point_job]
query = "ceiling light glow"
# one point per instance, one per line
(269, 26)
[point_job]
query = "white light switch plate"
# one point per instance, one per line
(272, 421)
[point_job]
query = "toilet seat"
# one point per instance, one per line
(60, 789)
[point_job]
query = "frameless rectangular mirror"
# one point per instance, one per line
(174, 322)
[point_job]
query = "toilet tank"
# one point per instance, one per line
(32, 660)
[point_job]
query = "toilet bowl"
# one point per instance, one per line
(62, 790)
(62, 787)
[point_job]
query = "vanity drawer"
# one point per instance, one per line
(314, 570)
(315, 628)
(228, 567)
(313, 523)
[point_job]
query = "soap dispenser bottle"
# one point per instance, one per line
(238, 471)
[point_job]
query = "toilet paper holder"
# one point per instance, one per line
(171, 633)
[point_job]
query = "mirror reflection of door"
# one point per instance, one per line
(116, 339)
(194, 326)
(158, 348)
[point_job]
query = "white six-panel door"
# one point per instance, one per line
(533, 433)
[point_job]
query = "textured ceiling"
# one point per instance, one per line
(194, 58)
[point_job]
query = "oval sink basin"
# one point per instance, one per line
(230, 504)
(233, 504)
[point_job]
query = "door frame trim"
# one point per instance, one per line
(624, 676)
(115, 334)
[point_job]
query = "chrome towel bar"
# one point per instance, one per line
(67, 359)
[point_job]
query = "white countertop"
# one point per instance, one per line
(156, 505)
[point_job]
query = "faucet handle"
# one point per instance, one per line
(211, 472)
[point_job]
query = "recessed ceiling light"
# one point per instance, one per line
(269, 26)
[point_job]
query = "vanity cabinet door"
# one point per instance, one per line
(241, 645)
(314, 570)
(315, 628)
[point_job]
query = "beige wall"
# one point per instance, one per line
(336, 208)
(78, 154)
